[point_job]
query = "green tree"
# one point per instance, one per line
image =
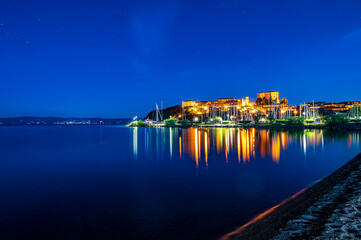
(332, 120)
(256, 119)
(137, 124)
(140, 123)
(271, 118)
(171, 122)
(218, 119)
(206, 119)
(296, 121)
(185, 123)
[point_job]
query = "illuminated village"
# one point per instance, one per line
(267, 105)
(268, 108)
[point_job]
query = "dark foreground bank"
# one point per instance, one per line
(329, 209)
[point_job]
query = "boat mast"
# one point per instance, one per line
(156, 112)
(161, 116)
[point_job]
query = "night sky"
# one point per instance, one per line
(117, 58)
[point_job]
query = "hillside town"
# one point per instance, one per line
(267, 105)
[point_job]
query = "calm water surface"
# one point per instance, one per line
(101, 182)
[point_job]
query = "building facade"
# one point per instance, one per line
(272, 96)
(242, 109)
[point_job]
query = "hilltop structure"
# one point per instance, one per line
(271, 96)
(267, 104)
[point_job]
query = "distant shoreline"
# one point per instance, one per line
(44, 125)
(49, 121)
(306, 214)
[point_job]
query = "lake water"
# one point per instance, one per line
(109, 182)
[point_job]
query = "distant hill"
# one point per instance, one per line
(62, 121)
(174, 111)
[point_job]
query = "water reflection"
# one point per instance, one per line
(135, 142)
(242, 145)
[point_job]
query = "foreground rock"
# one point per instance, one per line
(331, 209)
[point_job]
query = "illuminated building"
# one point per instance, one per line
(271, 96)
(242, 109)
(224, 107)
(332, 108)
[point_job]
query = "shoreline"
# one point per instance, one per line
(314, 212)
(341, 127)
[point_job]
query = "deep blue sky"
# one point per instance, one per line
(117, 58)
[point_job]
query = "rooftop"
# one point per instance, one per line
(268, 92)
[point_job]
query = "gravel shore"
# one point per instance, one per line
(331, 209)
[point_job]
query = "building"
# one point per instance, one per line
(242, 109)
(223, 107)
(272, 96)
(332, 108)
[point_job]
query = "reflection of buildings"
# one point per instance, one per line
(224, 141)
(262, 143)
(233, 142)
(353, 139)
(135, 142)
(230, 145)
(247, 144)
(276, 148)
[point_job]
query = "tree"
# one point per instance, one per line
(218, 119)
(171, 122)
(256, 119)
(140, 123)
(137, 124)
(264, 101)
(258, 101)
(271, 118)
(206, 119)
(185, 123)
(284, 101)
(296, 121)
(332, 120)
